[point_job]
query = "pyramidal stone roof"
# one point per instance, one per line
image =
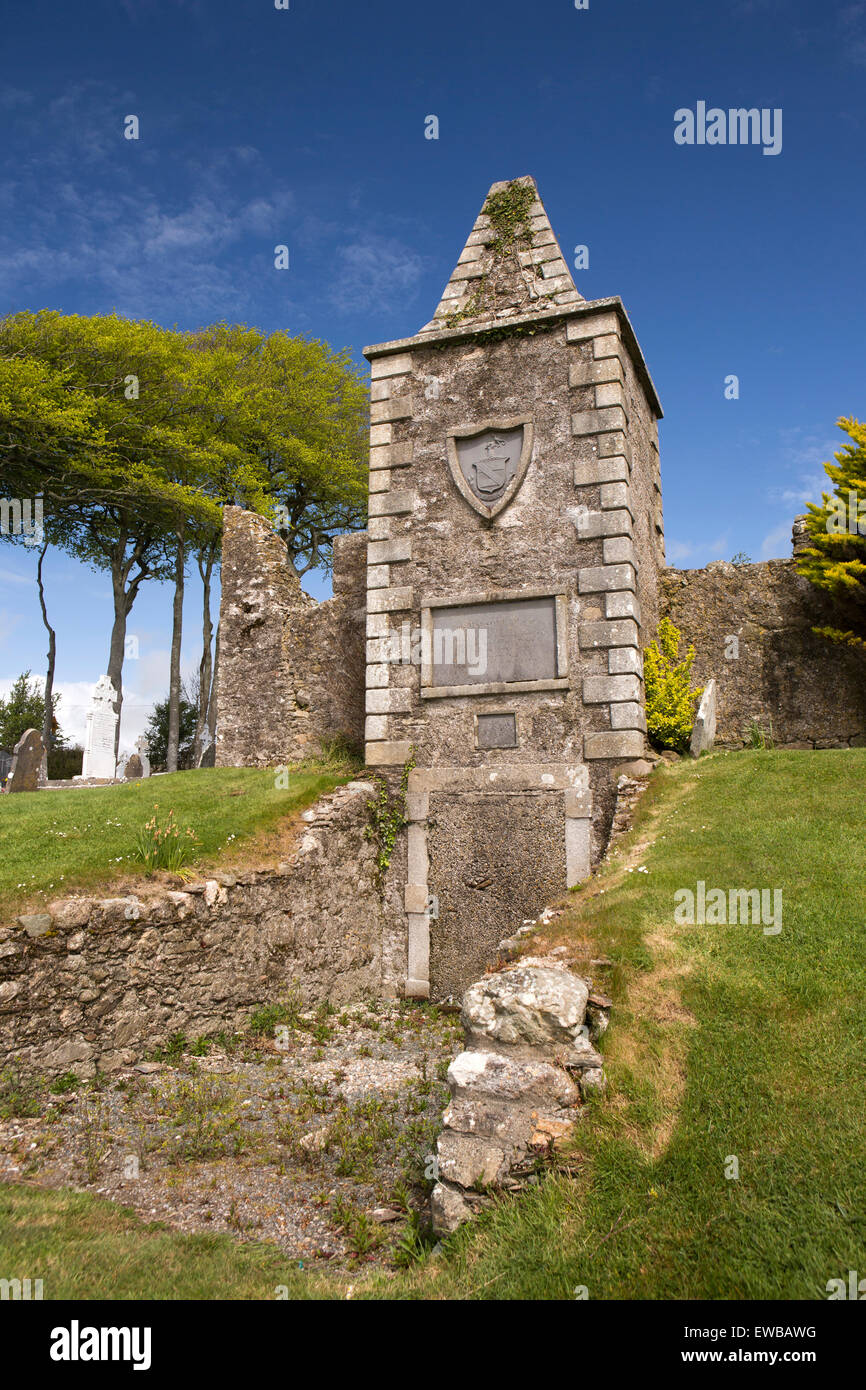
(510, 267)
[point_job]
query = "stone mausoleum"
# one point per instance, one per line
(488, 626)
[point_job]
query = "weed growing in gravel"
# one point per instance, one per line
(19, 1095)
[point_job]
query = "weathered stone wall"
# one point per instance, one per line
(291, 670)
(103, 982)
(784, 679)
(645, 491)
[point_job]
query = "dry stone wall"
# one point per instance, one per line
(102, 982)
(751, 626)
(516, 1090)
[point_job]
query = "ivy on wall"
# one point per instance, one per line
(388, 817)
(508, 212)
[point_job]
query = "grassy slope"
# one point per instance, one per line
(724, 1042)
(52, 841)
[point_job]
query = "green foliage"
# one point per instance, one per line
(156, 734)
(264, 1020)
(741, 558)
(671, 703)
(836, 558)
(61, 1085)
(163, 846)
(19, 1094)
(173, 1050)
(758, 737)
(339, 754)
(388, 817)
(413, 1244)
(841, 637)
(24, 708)
(508, 210)
(65, 763)
(126, 427)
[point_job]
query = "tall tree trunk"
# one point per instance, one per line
(174, 673)
(122, 604)
(206, 560)
(48, 717)
(212, 706)
(124, 598)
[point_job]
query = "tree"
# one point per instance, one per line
(24, 708)
(44, 422)
(670, 701)
(298, 414)
(157, 731)
(114, 465)
(836, 559)
(137, 436)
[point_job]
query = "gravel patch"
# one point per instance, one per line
(316, 1133)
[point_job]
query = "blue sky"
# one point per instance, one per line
(305, 126)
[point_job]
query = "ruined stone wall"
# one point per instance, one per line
(325, 647)
(105, 981)
(291, 670)
(786, 681)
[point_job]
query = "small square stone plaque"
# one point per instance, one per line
(497, 731)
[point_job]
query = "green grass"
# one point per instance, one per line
(723, 1042)
(83, 1247)
(53, 841)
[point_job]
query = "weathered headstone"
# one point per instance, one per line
(207, 757)
(99, 739)
(26, 762)
(133, 769)
(141, 749)
(704, 728)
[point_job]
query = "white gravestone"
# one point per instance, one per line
(142, 751)
(99, 740)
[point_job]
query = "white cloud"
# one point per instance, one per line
(9, 623)
(376, 272)
(106, 224)
(145, 683)
(11, 577)
(678, 550)
(777, 543)
(852, 22)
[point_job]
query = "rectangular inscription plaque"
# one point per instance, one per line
(514, 640)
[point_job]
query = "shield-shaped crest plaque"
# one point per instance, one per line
(488, 463)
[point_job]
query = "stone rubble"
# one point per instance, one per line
(517, 1088)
